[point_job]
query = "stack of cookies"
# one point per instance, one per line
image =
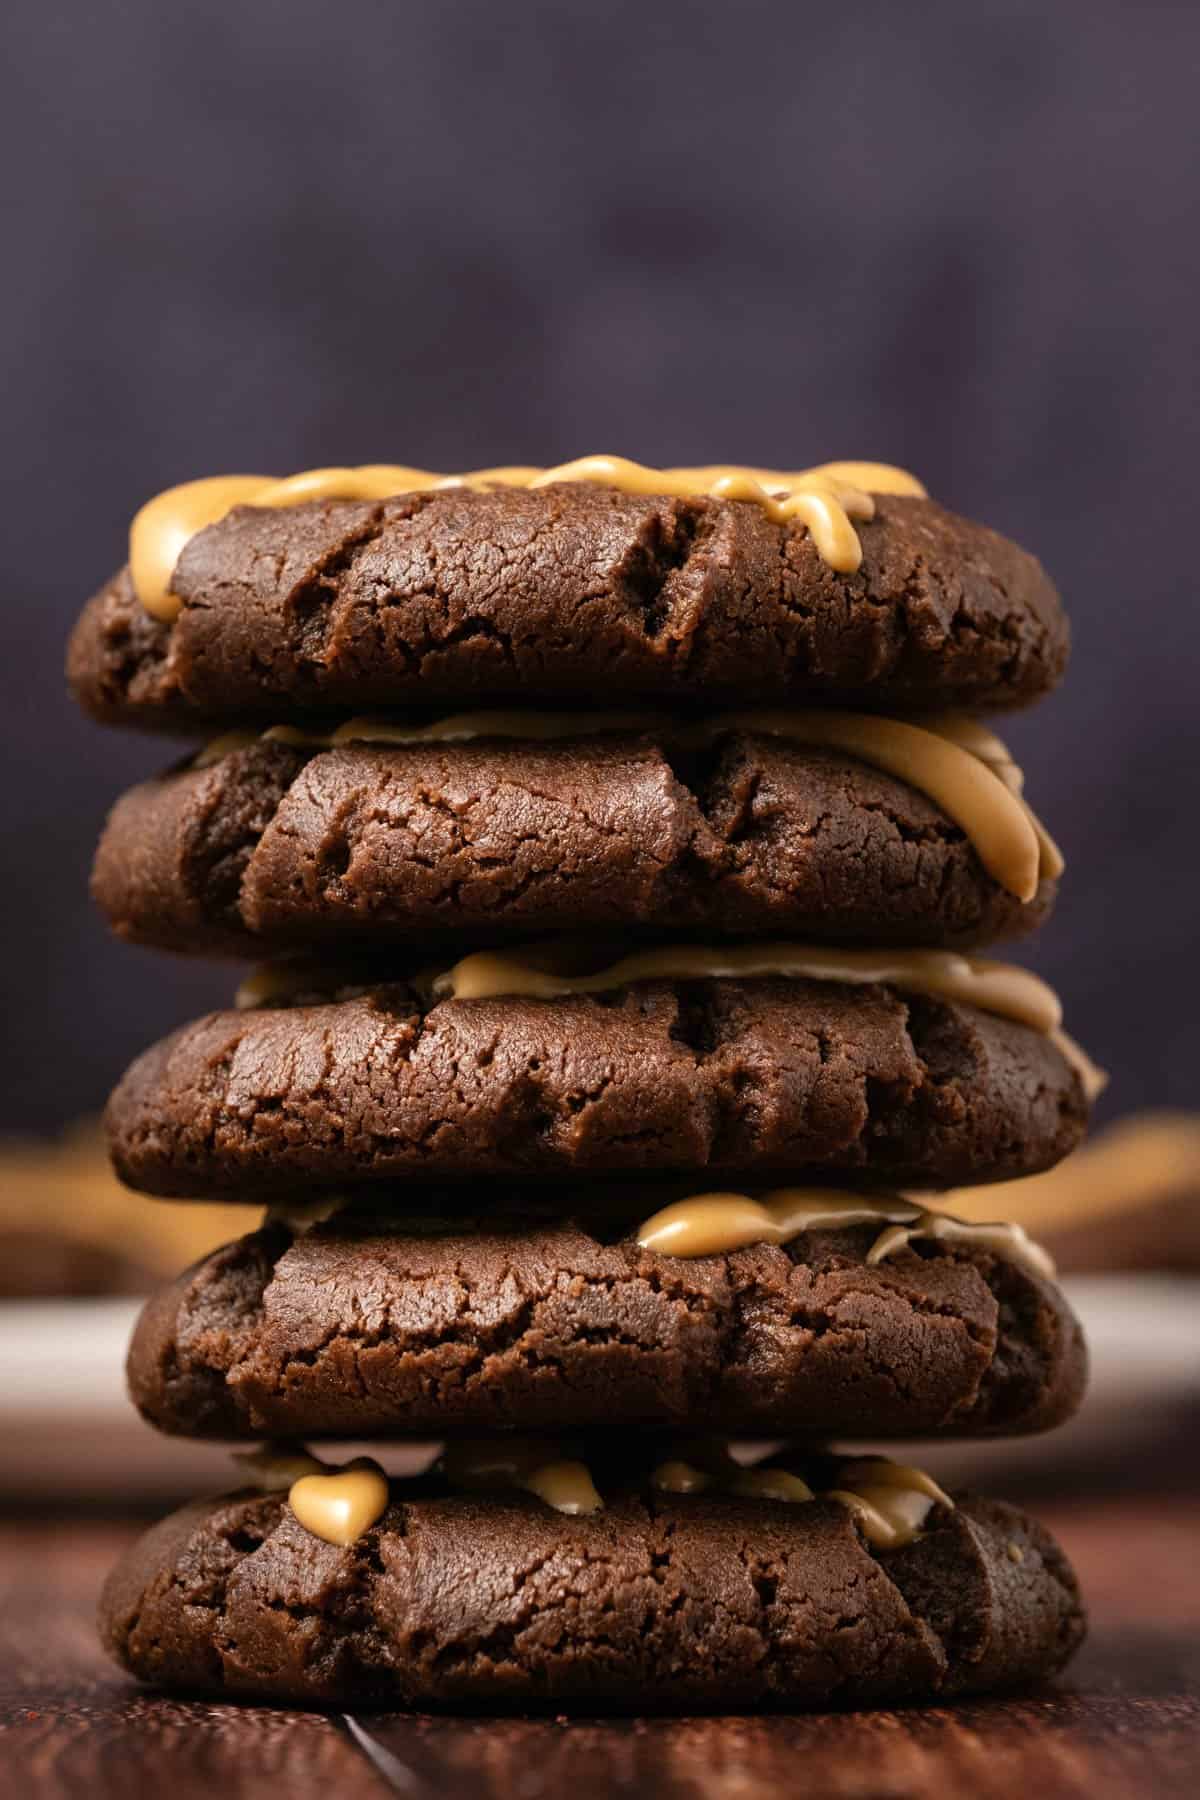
(615, 844)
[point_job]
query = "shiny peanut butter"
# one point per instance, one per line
(828, 499)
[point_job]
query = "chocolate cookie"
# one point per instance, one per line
(364, 1327)
(739, 1074)
(670, 1602)
(273, 846)
(568, 592)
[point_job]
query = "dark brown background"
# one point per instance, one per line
(267, 235)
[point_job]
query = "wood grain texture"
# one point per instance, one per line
(1125, 1721)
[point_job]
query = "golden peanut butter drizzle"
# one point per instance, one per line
(994, 987)
(890, 1501)
(828, 499)
(713, 1224)
(566, 1485)
(970, 735)
(963, 769)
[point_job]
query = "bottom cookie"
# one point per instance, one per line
(657, 1601)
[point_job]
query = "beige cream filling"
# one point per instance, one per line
(964, 770)
(827, 499)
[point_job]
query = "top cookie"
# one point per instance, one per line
(568, 592)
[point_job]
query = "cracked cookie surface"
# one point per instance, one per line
(656, 1603)
(756, 1075)
(363, 1327)
(568, 592)
(273, 846)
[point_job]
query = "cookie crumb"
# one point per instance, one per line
(1015, 1552)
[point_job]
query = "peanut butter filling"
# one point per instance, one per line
(335, 1504)
(890, 1501)
(272, 984)
(994, 987)
(713, 1224)
(340, 1507)
(828, 499)
(1003, 1239)
(962, 768)
(532, 1465)
(565, 1485)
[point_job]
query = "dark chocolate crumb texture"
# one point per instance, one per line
(755, 1074)
(649, 1600)
(367, 1326)
(470, 597)
(274, 844)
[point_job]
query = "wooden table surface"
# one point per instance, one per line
(1124, 1721)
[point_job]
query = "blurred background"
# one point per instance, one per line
(268, 235)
